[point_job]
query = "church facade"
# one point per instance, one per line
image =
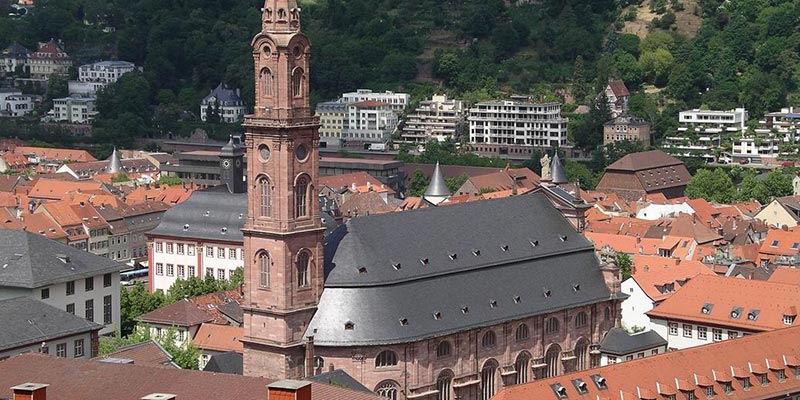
(439, 303)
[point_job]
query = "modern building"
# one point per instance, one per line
(439, 118)
(94, 77)
(333, 118)
(764, 144)
(506, 127)
(74, 110)
(50, 59)
(30, 325)
(397, 101)
(617, 95)
(764, 366)
(639, 174)
(714, 308)
(713, 122)
(619, 346)
(14, 104)
(369, 121)
(64, 277)
(226, 102)
(626, 128)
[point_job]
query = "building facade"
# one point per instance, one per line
(14, 59)
(626, 128)
(94, 77)
(14, 104)
(439, 118)
(333, 118)
(74, 110)
(397, 101)
(225, 102)
(617, 96)
(50, 59)
(369, 121)
(518, 122)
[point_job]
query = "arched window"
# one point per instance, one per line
(387, 390)
(266, 82)
(444, 384)
(386, 358)
(582, 354)
(488, 379)
(581, 320)
(298, 80)
(552, 359)
(281, 14)
(607, 313)
(264, 197)
(319, 365)
(302, 269)
(443, 349)
(551, 326)
(300, 197)
(523, 333)
(489, 340)
(263, 269)
(522, 366)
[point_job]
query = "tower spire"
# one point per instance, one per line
(437, 190)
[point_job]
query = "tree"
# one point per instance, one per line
(656, 64)
(134, 302)
(120, 177)
(417, 184)
(713, 185)
(169, 180)
(579, 89)
(57, 87)
(629, 43)
(625, 265)
(627, 68)
(187, 356)
(454, 183)
(775, 184)
(577, 172)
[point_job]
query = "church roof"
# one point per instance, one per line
(493, 263)
(212, 214)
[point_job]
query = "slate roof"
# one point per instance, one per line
(28, 321)
(16, 50)
(485, 254)
(210, 214)
(233, 311)
(619, 342)
(30, 261)
(226, 363)
(225, 95)
(557, 171)
(339, 377)
(148, 353)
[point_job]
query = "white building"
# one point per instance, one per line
(69, 279)
(333, 118)
(370, 121)
(94, 77)
(14, 104)
(713, 121)
(652, 212)
(74, 110)
(620, 346)
(396, 101)
(438, 118)
(764, 145)
(201, 236)
(226, 102)
(517, 122)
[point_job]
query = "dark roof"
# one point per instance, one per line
(233, 311)
(374, 262)
(28, 321)
(619, 342)
(179, 313)
(30, 261)
(16, 51)
(618, 88)
(645, 160)
(226, 363)
(148, 353)
(208, 214)
(225, 95)
(557, 171)
(339, 377)
(71, 378)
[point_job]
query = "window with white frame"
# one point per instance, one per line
(190, 271)
(612, 360)
(181, 271)
(61, 350)
(170, 270)
(210, 251)
(159, 269)
(169, 248)
(673, 328)
(221, 274)
(788, 319)
(220, 252)
(79, 348)
(159, 247)
(717, 334)
(702, 333)
(232, 253)
(210, 272)
(687, 330)
(733, 334)
(190, 249)
(181, 248)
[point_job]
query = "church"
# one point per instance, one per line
(440, 303)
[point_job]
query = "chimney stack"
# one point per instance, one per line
(160, 396)
(30, 391)
(289, 389)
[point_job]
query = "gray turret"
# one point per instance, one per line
(114, 163)
(559, 177)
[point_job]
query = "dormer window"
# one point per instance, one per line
(788, 319)
(559, 390)
(781, 374)
(599, 381)
(707, 308)
(736, 312)
(424, 261)
(763, 379)
(581, 386)
(774, 243)
(746, 383)
(753, 315)
(349, 325)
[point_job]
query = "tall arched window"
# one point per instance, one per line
(444, 384)
(582, 354)
(266, 82)
(489, 340)
(300, 197)
(488, 379)
(263, 269)
(607, 313)
(298, 80)
(551, 325)
(387, 390)
(522, 365)
(581, 320)
(552, 359)
(302, 269)
(523, 333)
(264, 197)
(443, 349)
(386, 358)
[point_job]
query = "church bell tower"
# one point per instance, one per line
(283, 233)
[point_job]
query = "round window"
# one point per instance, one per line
(264, 151)
(267, 51)
(297, 51)
(301, 152)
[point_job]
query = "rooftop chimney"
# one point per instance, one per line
(160, 396)
(289, 389)
(30, 391)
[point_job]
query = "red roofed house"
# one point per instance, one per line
(779, 247)
(790, 276)
(764, 366)
(506, 179)
(213, 339)
(50, 59)
(617, 94)
(714, 308)
(653, 280)
(640, 174)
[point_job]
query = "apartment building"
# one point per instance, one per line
(94, 77)
(397, 101)
(518, 122)
(438, 118)
(773, 131)
(14, 104)
(626, 128)
(74, 110)
(333, 118)
(370, 121)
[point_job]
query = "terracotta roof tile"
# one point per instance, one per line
(148, 353)
(179, 313)
(789, 276)
(219, 338)
(781, 243)
(661, 277)
(57, 190)
(59, 155)
(357, 179)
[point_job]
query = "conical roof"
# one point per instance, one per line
(114, 163)
(437, 190)
(557, 171)
(230, 149)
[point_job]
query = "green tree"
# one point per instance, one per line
(454, 183)
(136, 301)
(628, 68)
(187, 356)
(169, 180)
(713, 185)
(629, 43)
(656, 64)
(577, 172)
(120, 177)
(775, 184)
(57, 87)
(625, 265)
(417, 184)
(579, 89)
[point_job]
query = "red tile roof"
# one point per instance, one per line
(43, 224)
(620, 243)
(62, 155)
(219, 338)
(785, 275)
(645, 161)
(780, 243)
(770, 299)
(655, 274)
(57, 190)
(370, 103)
(361, 181)
(70, 378)
(149, 354)
(618, 88)
(657, 376)
(179, 313)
